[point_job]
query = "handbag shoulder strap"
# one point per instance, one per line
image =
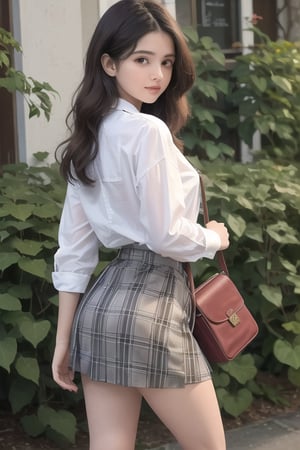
(220, 255)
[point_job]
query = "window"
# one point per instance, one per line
(219, 19)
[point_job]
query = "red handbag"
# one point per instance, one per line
(223, 326)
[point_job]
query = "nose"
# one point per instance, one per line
(156, 74)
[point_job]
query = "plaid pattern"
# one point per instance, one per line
(132, 327)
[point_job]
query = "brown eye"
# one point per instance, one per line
(141, 60)
(168, 63)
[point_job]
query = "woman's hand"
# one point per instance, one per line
(222, 231)
(62, 374)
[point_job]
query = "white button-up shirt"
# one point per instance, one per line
(145, 192)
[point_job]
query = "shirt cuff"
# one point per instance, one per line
(70, 282)
(213, 243)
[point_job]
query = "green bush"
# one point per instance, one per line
(265, 97)
(31, 201)
(205, 132)
(260, 203)
(259, 92)
(30, 208)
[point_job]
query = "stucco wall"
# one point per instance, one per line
(51, 37)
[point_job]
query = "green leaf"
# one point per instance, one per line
(206, 41)
(41, 156)
(282, 83)
(14, 317)
(8, 83)
(292, 326)
(17, 225)
(4, 60)
(32, 425)
(20, 212)
(246, 130)
(271, 293)
(28, 368)
(47, 211)
(3, 235)
(26, 246)
(263, 124)
(254, 232)
(36, 267)
(8, 351)
(9, 303)
(293, 191)
(21, 393)
(226, 150)
(221, 379)
(192, 34)
(245, 203)
(235, 404)
(274, 205)
(255, 257)
(213, 129)
(259, 82)
(222, 84)
(272, 393)
(287, 354)
(35, 332)
(212, 149)
(7, 259)
(218, 56)
(20, 290)
(281, 232)
(288, 266)
(242, 368)
(63, 422)
(221, 392)
(237, 224)
(294, 279)
(49, 231)
(203, 114)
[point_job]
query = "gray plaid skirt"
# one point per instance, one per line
(133, 327)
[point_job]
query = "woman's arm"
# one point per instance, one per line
(62, 374)
(77, 255)
(168, 230)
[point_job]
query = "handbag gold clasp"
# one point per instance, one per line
(233, 318)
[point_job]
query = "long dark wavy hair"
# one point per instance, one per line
(117, 34)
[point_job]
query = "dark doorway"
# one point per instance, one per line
(7, 103)
(267, 10)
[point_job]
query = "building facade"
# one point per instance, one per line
(54, 35)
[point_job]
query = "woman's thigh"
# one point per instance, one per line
(192, 414)
(113, 413)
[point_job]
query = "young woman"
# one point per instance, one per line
(130, 187)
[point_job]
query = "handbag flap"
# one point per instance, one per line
(218, 299)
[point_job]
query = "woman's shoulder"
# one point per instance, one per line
(134, 123)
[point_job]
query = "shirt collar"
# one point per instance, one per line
(124, 105)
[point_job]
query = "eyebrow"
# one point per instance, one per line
(147, 52)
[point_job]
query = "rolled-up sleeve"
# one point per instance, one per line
(77, 255)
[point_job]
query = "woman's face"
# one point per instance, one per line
(145, 74)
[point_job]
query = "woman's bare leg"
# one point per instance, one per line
(113, 413)
(192, 414)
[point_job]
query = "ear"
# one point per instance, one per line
(108, 65)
